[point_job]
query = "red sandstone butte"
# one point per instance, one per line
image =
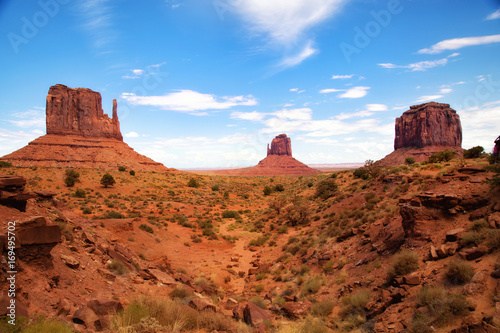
(80, 135)
(279, 161)
(424, 130)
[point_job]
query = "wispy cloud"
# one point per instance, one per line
(342, 77)
(33, 118)
(493, 16)
(458, 43)
(190, 101)
(296, 59)
(418, 66)
(330, 90)
(253, 116)
(428, 98)
(132, 135)
(98, 16)
(355, 92)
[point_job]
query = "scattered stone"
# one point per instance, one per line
(103, 306)
(85, 316)
(494, 220)
(202, 304)
(162, 277)
(70, 261)
(254, 315)
(296, 309)
(433, 253)
(454, 235)
(474, 252)
(412, 279)
(106, 274)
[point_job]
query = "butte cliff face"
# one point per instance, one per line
(424, 130)
(429, 124)
(80, 135)
(78, 112)
(279, 161)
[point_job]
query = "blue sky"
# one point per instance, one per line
(205, 84)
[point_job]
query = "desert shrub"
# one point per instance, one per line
(260, 241)
(322, 308)
(169, 316)
(111, 214)
(361, 172)
(193, 182)
(442, 305)
(471, 238)
(87, 210)
(312, 286)
(442, 156)
(146, 228)
(72, 177)
(117, 267)
(107, 180)
(474, 152)
(80, 193)
(41, 325)
(298, 213)
(259, 288)
(267, 190)
(279, 187)
(355, 304)
(259, 301)
(479, 225)
(326, 188)
(5, 164)
(66, 230)
(307, 325)
(409, 160)
(493, 239)
(180, 292)
(459, 272)
(122, 168)
(328, 267)
(215, 188)
(403, 263)
(278, 203)
(230, 214)
(132, 172)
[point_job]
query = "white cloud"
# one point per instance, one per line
(418, 66)
(327, 91)
(428, 98)
(445, 90)
(284, 21)
(294, 89)
(480, 125)
(342, 77)
(294, 114)
(98, 16)
(296, 59)
(355, 92)
(11, 141)
(132, 135)
(190, 101)
(376, 107)
(32, 118)
(458, 43)
(493, 16)
(253, 116)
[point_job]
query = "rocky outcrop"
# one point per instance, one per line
(80, 135)
(429, 124)
(78, 111)
(279, 161)
(424, 130)
(281, 145)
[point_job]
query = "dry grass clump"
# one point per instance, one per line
(307, 325)
(459, 272)
(160, 314)
(323, 308)
(403, 263)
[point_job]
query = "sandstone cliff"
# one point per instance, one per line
(281, 145)
(424, 130)
(80, 135)
(78, 112)
(429, 124)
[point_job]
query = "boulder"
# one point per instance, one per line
(296, 309)
(253, 315)
(162, 277)
(412, 279)
(202, 304)
(104, 306)
(85, 316)
(473, 252)
(70, 261)
(454, 235)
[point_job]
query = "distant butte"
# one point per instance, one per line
(279, 161)
(80, 135)
(424, 130)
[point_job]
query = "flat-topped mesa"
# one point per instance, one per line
(428, 124)
(78, 111)
(281, 145)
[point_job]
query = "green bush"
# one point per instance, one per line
(404, 263)
(111, 214)
(5, 164)
(79, 193)
(279, 188)
(459, 272)
(474, 152)
(146, 228)
(132, 172)
(442, 306)
(442, 156)
(259, 301)
(312, 286)
(322, 308)
(355, 304)
(193, 182)
(409, 160)
(72, 177)
(215, 188)
(326, 188)
(228, 214)
(107, 180)
(122, 168)
(268, 190)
